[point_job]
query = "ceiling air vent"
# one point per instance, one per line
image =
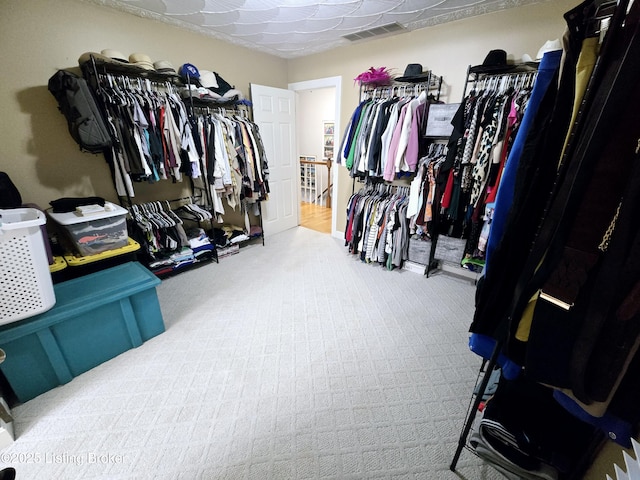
(374, 32)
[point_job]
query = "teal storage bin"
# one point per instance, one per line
(96, 318)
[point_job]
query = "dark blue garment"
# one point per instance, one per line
(355, 118)
(546, 72)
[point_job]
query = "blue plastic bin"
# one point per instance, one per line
(96, 318)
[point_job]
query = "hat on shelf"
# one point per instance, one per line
(414, 74)
(208, 79)
(101, 58)
(141, 60)
(494, 62)
(375, 77)
(189, 72)
(115, 55)
(164, 66)
(222, 86)
(549, 46)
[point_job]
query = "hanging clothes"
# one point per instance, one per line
(166, 246)
(382, 138)
(377, 227)
(154, 140)
(559, 298)
(160, 137)
(485, 126)
(422, 190)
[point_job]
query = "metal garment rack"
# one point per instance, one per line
(204, 107)
(97, 71)
(481, 81)
(500, 82)
(433, 84)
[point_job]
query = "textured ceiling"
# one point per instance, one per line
(295, 28)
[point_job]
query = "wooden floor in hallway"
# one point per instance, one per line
(315, 217)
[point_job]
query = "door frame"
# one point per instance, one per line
(328, 82)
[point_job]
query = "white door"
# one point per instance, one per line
(274, 112)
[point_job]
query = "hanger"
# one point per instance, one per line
(598, 23)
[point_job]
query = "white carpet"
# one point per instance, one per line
(290, 361)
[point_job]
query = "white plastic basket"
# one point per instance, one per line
(26, 288)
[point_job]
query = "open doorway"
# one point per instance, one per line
(317, 127)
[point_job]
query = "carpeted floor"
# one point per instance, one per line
(292, 360)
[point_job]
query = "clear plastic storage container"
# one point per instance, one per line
(95, 232)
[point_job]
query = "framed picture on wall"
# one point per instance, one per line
(328, 139)
(439, 120)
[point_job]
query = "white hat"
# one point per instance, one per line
(208, 79)
(114, 55)
(164, 66)
(141, 60)
(549, 46)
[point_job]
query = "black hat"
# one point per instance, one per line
(494, 62)
(413, 74)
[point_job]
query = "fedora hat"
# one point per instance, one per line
(164, 66)
(141, 60)
(494, 62)
(102, 57)
(114, 55)
(414, 74)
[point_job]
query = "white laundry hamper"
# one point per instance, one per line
(26, 287)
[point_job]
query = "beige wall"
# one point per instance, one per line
(40, 36)
(447, 50)
(313, 108)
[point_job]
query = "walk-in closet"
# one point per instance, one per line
(468, 309)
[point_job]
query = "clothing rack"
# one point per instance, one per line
(432, 84)
(383, 188)
(153, 118)
(495, 82)
(403, 89)
(595, 441)
(427, 91)
(167, 242)
(521, 78)
(377, 226)
(95, 65)
(204, 109)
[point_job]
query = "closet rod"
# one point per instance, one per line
(473, 77)
(129, 71)
(208, 109)
(433, 82)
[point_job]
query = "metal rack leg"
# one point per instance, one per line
(476, 403)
